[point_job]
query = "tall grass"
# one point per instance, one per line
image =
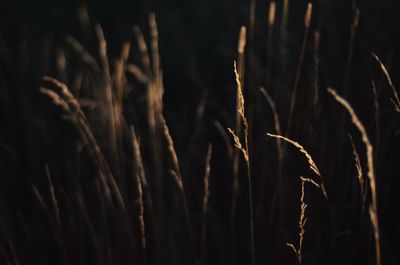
(118, 191)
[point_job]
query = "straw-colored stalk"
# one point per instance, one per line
(376, 115)
(144, 52)
(205, 201)
(146, 195)
(55, 226)
(71, 107)
(91, 229)
(353, 31)
(271, 22)
(140, 76)
(252, 20)
(54, 201)
(302, 220)
(154, 45)
(301, 226)
(225, 137)
(245, 151)
(236, 155)
(61, 64)
(360, 175)
(373, 209)
(141, 213)
(277, 123)
(396, 99)
(83, 54)
(284, 23)
(271, 13)
(307, 24)
(119, 75)
(84, 21)
(317, 42)
(307, 17)
(103, 53)
(176, 174)
(113, 113)
(151, 76)
(311, 163)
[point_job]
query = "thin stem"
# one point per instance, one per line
(307, 23)
(253, 256)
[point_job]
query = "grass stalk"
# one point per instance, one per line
(236, 155)
(205, 202)
(245, 152)
(373, 208)
(176, 174)
(271, 23)
(311, 163)
(307, 24)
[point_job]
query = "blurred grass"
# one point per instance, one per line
(197, 47)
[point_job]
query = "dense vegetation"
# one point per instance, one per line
(201, 132)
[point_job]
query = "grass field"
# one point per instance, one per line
(251, 132)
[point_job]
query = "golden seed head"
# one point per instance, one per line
(307, 18)
(242, 40)
(272, 11)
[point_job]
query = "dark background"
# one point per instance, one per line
(198, 42)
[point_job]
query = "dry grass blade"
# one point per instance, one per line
(240, 107)
(57, 100)
(238, 129)
(138, 158)
(206, 178)
(302, 222)
(245, 150)
(317, 42)
(142, 49)
(141, 213)
(307, 17)
(277, 123)
(176, 174)
(119, 72)
(310, 160)
(140, 182)
(205, 201)
(396, 100)
(64, 91)
(271, 22)
(113, 113)
(170, 145)
(154, 45)
(377, 112)
(61, 64)
(53, 198)
(271, 14)
(225, 137)
(103, 53)
(311, 182)
(240, 110)
(242, 40)
(358, 165)
(238, 144)
(373, 211)
(360, 175)
(293, 98)
(82, 53)
(72, 108)
(138, 73)
(92, 231)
